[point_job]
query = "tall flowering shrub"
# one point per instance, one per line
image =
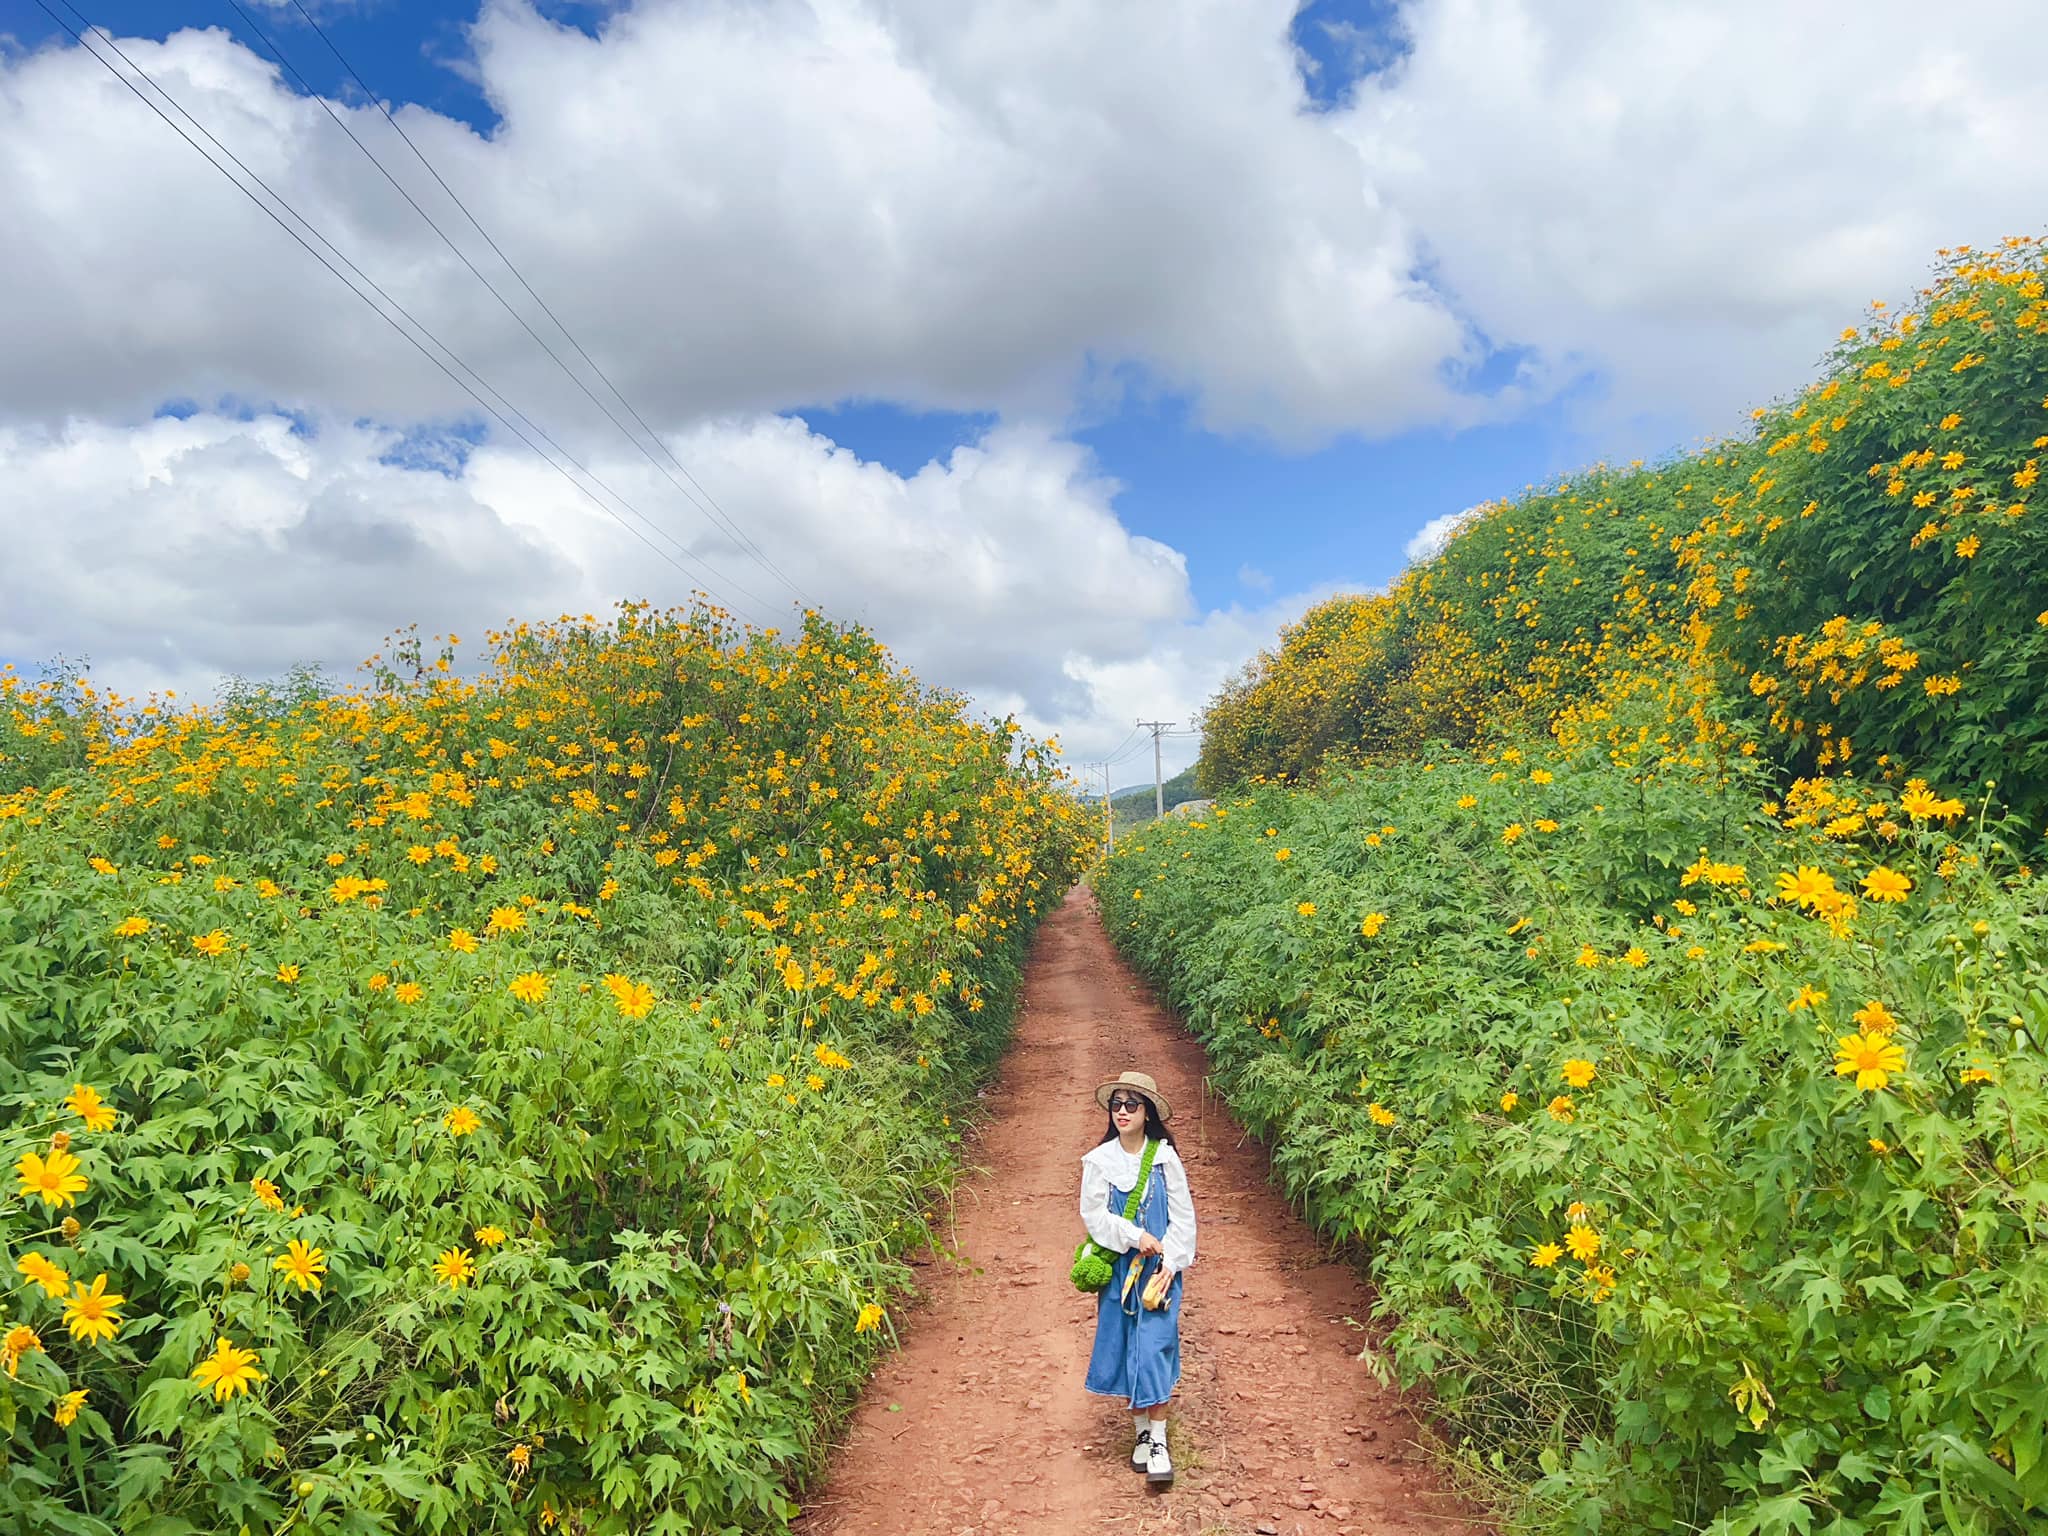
(1692, 1139)
(1862, 581)
(487, 1105)
(1675, 1059)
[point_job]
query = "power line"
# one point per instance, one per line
(417, 345)
(1117, 750)
(1121, 754)
(1124, 757)
(717, 510)
(706, 505)
(499, 416)
(1108, 809)
(1158, 728)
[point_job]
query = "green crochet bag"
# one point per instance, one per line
(1092, 1261)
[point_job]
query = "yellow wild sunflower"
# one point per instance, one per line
(1870, 1058)
(91, 1312)
(455, 1268)
(302, 1264)
(86, 1103)
(51, 1277)
(228, 1370)
(54, 1179)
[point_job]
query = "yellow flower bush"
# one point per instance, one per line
(388, 1091)
(1843, 1192)
(1814, 1297)
(1852, 583)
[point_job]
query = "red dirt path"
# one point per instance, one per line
(978, 1424)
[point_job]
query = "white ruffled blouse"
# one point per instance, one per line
(1109, 1164)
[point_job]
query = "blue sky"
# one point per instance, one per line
(1241, 510)
(1236, 505)
(1273, 286)
(414, 50)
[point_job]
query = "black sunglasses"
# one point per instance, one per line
(1118, 1102)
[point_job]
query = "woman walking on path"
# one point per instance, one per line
(1137, 1325)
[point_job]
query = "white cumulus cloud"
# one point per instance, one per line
(171, 553)
(740, 207)
(745, 208)
(1692, 197)
(1429, 540)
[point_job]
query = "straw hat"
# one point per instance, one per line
(1140, 1083)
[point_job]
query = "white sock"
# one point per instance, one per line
(1159, 1433)
(1140, 1423)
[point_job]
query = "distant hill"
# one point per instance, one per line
(1135, 806)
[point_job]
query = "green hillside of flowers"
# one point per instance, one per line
(489, 1106)
(1696, 1152)
(1861, 583)
(1652, 984)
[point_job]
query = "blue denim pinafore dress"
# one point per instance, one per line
(1137, 1351)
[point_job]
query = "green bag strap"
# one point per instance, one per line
(1137, 1195)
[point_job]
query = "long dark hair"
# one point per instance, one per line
(1155, 1128)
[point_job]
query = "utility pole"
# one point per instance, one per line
(1108, 812)
(1157, 728)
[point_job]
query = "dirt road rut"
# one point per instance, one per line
(978, 1425)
